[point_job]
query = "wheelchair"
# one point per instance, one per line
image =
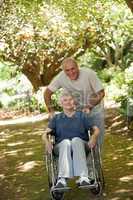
(51, 160)
(130, 113)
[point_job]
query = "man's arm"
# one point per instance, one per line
(48, 101)
(96, 98)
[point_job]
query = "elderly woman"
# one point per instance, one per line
(70, 128)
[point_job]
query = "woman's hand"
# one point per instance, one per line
(49, 147)
(46, 137)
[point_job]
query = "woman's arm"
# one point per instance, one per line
(46, 137)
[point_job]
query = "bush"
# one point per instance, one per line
(119, 78)
(106, 75)
(126, 99)
(55, 101)
(1, 104)
(27, 104)
(7, 71)
(123, 104)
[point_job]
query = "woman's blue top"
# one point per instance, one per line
(65, 127)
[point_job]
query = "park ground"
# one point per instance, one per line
(22, 166)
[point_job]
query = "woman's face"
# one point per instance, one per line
(67, 102)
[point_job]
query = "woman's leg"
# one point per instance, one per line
(79, 157)
(65, 159)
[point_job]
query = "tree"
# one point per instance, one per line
(114, 40)
(37, 44)
(37, 36)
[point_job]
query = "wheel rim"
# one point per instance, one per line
(57, 195)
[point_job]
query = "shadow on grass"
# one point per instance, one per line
(22, 169)
(116, 123)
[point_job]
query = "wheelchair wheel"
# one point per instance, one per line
(98, 173)
(51, 167)
(52, 171)
(57, 195)
(130, 122)
(97, 190)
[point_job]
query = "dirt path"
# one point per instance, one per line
(115, 123)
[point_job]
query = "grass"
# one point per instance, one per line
(22, 169)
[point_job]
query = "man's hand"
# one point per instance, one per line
(48, 101)
(86, 110)
(51, 115)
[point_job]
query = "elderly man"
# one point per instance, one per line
(84, 84)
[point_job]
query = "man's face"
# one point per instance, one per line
(71, 70)
(67, 102)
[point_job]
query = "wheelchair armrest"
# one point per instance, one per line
(49, 140)
(93, 136)
(48, 135)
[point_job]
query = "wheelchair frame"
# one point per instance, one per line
(52, 171)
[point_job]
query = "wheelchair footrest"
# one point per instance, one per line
(91, 186)
(63, 189)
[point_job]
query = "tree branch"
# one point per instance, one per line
(130, 4)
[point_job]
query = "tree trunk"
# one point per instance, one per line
(130, 4)
(32, 72)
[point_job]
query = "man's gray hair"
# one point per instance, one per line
(68, 60)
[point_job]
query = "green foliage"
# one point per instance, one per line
(9, 91)
(7, 71)
(119, 78)
(32, 104)
(126, 99)
(91, 60)
(43, 32)
(42, 108)
(106, 75)
(123, 104)
(55, 100)
(1, 104)
(29, 104)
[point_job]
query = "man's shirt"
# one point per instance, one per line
(82, 88)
